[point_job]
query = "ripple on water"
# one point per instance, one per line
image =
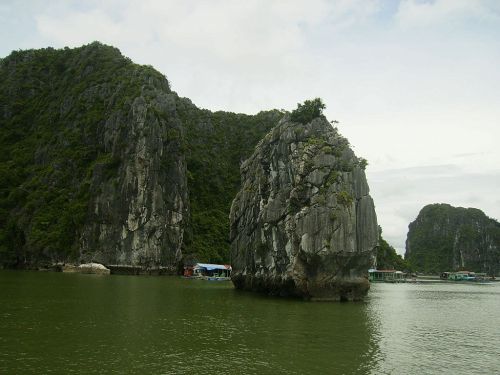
(128, 325)
(429, 328)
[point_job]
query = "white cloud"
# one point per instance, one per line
(213, 47)
(400, 194)
(421, 14)
(349, 13)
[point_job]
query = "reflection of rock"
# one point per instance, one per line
(303, 223)
(93, 268)
(137, 270)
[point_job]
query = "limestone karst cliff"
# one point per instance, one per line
(100, 161)
(446, 238)
(303, 223)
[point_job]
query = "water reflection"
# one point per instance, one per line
(435, 327)
(298, 336)
(63, 323)
(130, 325)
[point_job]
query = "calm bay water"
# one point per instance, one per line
(55, 323)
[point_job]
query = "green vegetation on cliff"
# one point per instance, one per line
(70, 121)
(48, 124)
(308, 111)
(389, 259)
(217, 143)
(447, 238)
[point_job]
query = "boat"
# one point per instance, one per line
(387, 276)
(466, 276)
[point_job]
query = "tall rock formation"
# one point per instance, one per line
(100, 161)
(140, 211)
(94, 185)
(446, 238)
(303, 223)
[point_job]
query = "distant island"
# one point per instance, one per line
(446, 238)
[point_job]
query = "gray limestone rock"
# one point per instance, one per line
(139, 209)
(303, 223)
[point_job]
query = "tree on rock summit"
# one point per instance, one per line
(308, 111)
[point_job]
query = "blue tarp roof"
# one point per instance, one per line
(212, 266)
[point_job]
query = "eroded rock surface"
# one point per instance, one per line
(100, 161)
(303, 223)
(138, 214)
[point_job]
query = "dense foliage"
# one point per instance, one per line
(213, 163)
(447, 238)
(308, 111)
(53, 108)
(389, 259)
(48, 144)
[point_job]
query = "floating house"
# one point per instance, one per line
(463, 275)
(457, 276)
(209, 271)
(385, 275)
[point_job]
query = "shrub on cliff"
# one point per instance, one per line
(308, 111)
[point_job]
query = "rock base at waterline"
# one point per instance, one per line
(88, 268)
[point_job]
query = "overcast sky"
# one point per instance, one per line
(415, 84)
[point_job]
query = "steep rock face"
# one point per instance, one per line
(100, 161)
(303, 223)
(446, 238)
(103, 179)
(140, 212)
(216, 143)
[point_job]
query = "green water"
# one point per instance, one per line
(55, 323)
